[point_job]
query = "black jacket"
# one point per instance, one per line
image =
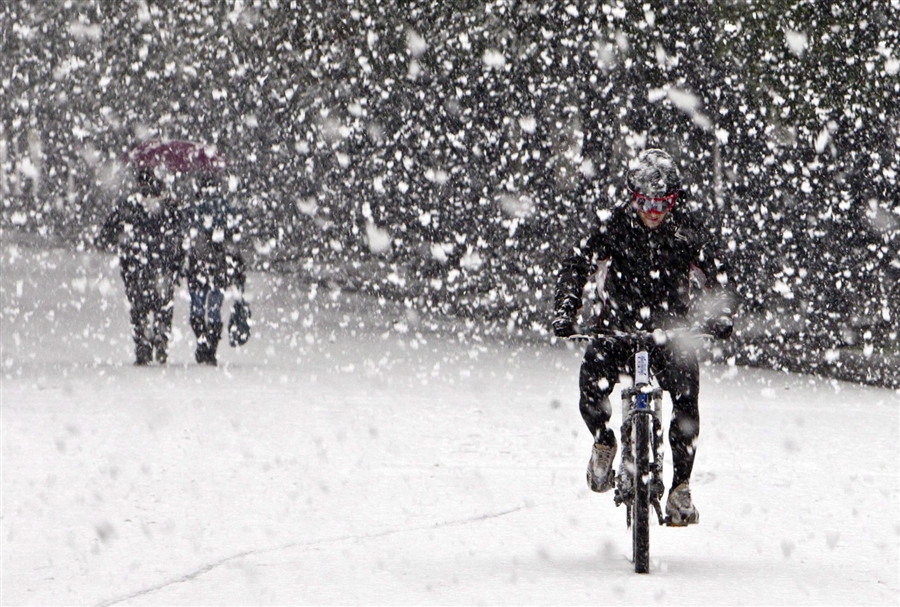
(214, 261)
(648, 279)
(148, 236)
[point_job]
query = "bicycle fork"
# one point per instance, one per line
(640, 399)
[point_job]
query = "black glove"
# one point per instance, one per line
(720, 328)
(564, 326)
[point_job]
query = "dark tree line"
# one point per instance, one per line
(446, 153)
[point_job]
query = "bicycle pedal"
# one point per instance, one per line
(621, 498)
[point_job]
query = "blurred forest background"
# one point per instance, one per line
(447, 154)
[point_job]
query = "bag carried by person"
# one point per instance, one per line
(239, 324)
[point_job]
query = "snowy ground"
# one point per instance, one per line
(346, 455)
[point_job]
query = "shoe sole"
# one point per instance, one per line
(680, 523)
(599, 488)
(610, 476)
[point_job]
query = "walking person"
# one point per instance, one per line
(145, 228)
(650, 244)
(214, 263)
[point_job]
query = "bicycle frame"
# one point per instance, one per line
(643, 399)
(638, 487)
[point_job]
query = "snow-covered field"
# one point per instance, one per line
(349, 455)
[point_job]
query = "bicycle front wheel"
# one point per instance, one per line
(641, 516)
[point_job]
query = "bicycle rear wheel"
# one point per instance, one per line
(641, 519)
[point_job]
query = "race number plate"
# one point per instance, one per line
(642, 368)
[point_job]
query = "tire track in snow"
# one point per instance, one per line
(344, 538)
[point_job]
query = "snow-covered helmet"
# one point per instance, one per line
(654, 174)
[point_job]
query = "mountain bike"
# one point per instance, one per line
(639, 484)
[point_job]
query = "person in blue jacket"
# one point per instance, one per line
(214, 263)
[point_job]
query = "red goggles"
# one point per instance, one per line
(648, 204)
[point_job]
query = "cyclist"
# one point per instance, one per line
(649, 248)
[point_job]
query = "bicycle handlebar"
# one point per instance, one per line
(648, 338)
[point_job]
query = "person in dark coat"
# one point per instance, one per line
(214, 263)
(649, 250)
(145, 227)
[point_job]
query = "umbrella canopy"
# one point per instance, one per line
(179, 156)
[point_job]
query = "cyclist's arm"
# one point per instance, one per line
(576, 268)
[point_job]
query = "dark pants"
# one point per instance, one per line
(206, 303)
(206, 320)
(151, 315)
(677, 372)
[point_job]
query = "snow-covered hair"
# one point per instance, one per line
(148, 182)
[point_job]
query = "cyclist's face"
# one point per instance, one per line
(652, 219)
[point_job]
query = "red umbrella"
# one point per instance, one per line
(180, 156)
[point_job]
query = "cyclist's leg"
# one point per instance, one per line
(599, 372)
(679, 375)
(681, 378)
